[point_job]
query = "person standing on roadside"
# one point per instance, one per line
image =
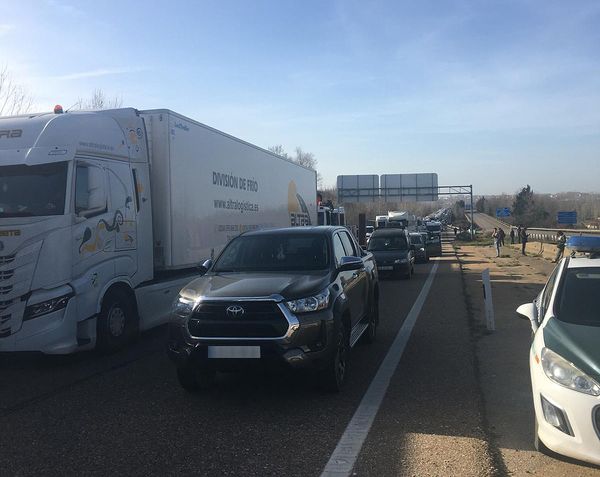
(501, 235)
(519, 234)
(497, 242)
(561, 241)
(512, 236)
(524, 238)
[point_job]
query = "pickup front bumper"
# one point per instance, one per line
(306, 345)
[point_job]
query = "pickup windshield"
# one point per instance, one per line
(416, 240)
(274, 252)
(387, 242)
(577, 299)
(33, 191)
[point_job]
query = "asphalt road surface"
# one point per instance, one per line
(125, 414)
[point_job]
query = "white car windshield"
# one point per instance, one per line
(578, 297)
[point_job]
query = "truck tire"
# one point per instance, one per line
(370, 333)
(333, 376)
(194, 378)
(116, 322)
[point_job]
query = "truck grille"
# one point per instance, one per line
(259, 320)
(6, 259)
(6, 274)
(4, 329)
(5, 290)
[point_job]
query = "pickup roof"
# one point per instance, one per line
(301, 296)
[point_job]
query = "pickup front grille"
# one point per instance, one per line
(5, 275)
(259, 319)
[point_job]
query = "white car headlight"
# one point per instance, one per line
(309, 304)
(567, 374)
(184, 306)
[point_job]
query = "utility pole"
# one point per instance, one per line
(472, 231)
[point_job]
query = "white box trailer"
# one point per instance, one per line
(213, 186)
(106, 215)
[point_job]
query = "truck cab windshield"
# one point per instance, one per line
(33, 191)
(387, 242)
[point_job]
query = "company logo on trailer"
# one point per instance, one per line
(10, 133)
(297, 208)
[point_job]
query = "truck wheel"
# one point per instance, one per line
(370, 333)
(116, 321)
(333, 375)
(194, 378)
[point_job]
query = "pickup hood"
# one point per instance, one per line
(241, 284)
(576, 343)
(388, 256)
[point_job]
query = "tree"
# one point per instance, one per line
(98, 100)
(306, 159)
(14, 98)
(480, 204)
(526, 211)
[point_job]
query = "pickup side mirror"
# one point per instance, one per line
(205, 267)
(350, 263)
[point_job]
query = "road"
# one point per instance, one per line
(125, 414)
(486, 222)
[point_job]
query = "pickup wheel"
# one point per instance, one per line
(116, 321)
(371, 332)
(333, 376)
(194, 379)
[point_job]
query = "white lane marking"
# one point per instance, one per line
(346, 452)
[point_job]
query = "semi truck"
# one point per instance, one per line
(106, 215)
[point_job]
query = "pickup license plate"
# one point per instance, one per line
(385, 267)
(234, 352)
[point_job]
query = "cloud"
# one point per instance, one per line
(98, 73)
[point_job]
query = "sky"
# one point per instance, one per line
(497, 94)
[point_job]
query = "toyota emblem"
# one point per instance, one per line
(235, 311)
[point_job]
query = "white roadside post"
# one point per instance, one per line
(487, 298)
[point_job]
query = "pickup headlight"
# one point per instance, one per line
(184, 306)
(45, 307)
(400, 260)
(567, 374)
(312, 303)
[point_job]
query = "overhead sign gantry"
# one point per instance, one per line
(397, 188)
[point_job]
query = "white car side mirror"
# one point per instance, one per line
(527, 311)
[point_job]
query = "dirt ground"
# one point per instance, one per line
(502, 356)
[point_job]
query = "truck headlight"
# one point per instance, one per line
(400, 260)
(184, 306)
(312, 303)
(567, 374)
(45, 307)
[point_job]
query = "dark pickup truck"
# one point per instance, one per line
(300, 296)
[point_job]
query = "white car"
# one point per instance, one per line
(565, 355)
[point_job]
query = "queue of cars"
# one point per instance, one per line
(564, 358)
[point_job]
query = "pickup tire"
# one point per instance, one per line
(333, 376)
(193, 378)
(370, 333)
(116, 322)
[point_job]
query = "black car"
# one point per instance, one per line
(392, 252)
(299, 296)
(418, 245)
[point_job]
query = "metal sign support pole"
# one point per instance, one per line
(472, 231)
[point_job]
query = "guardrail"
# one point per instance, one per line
(546, 235)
